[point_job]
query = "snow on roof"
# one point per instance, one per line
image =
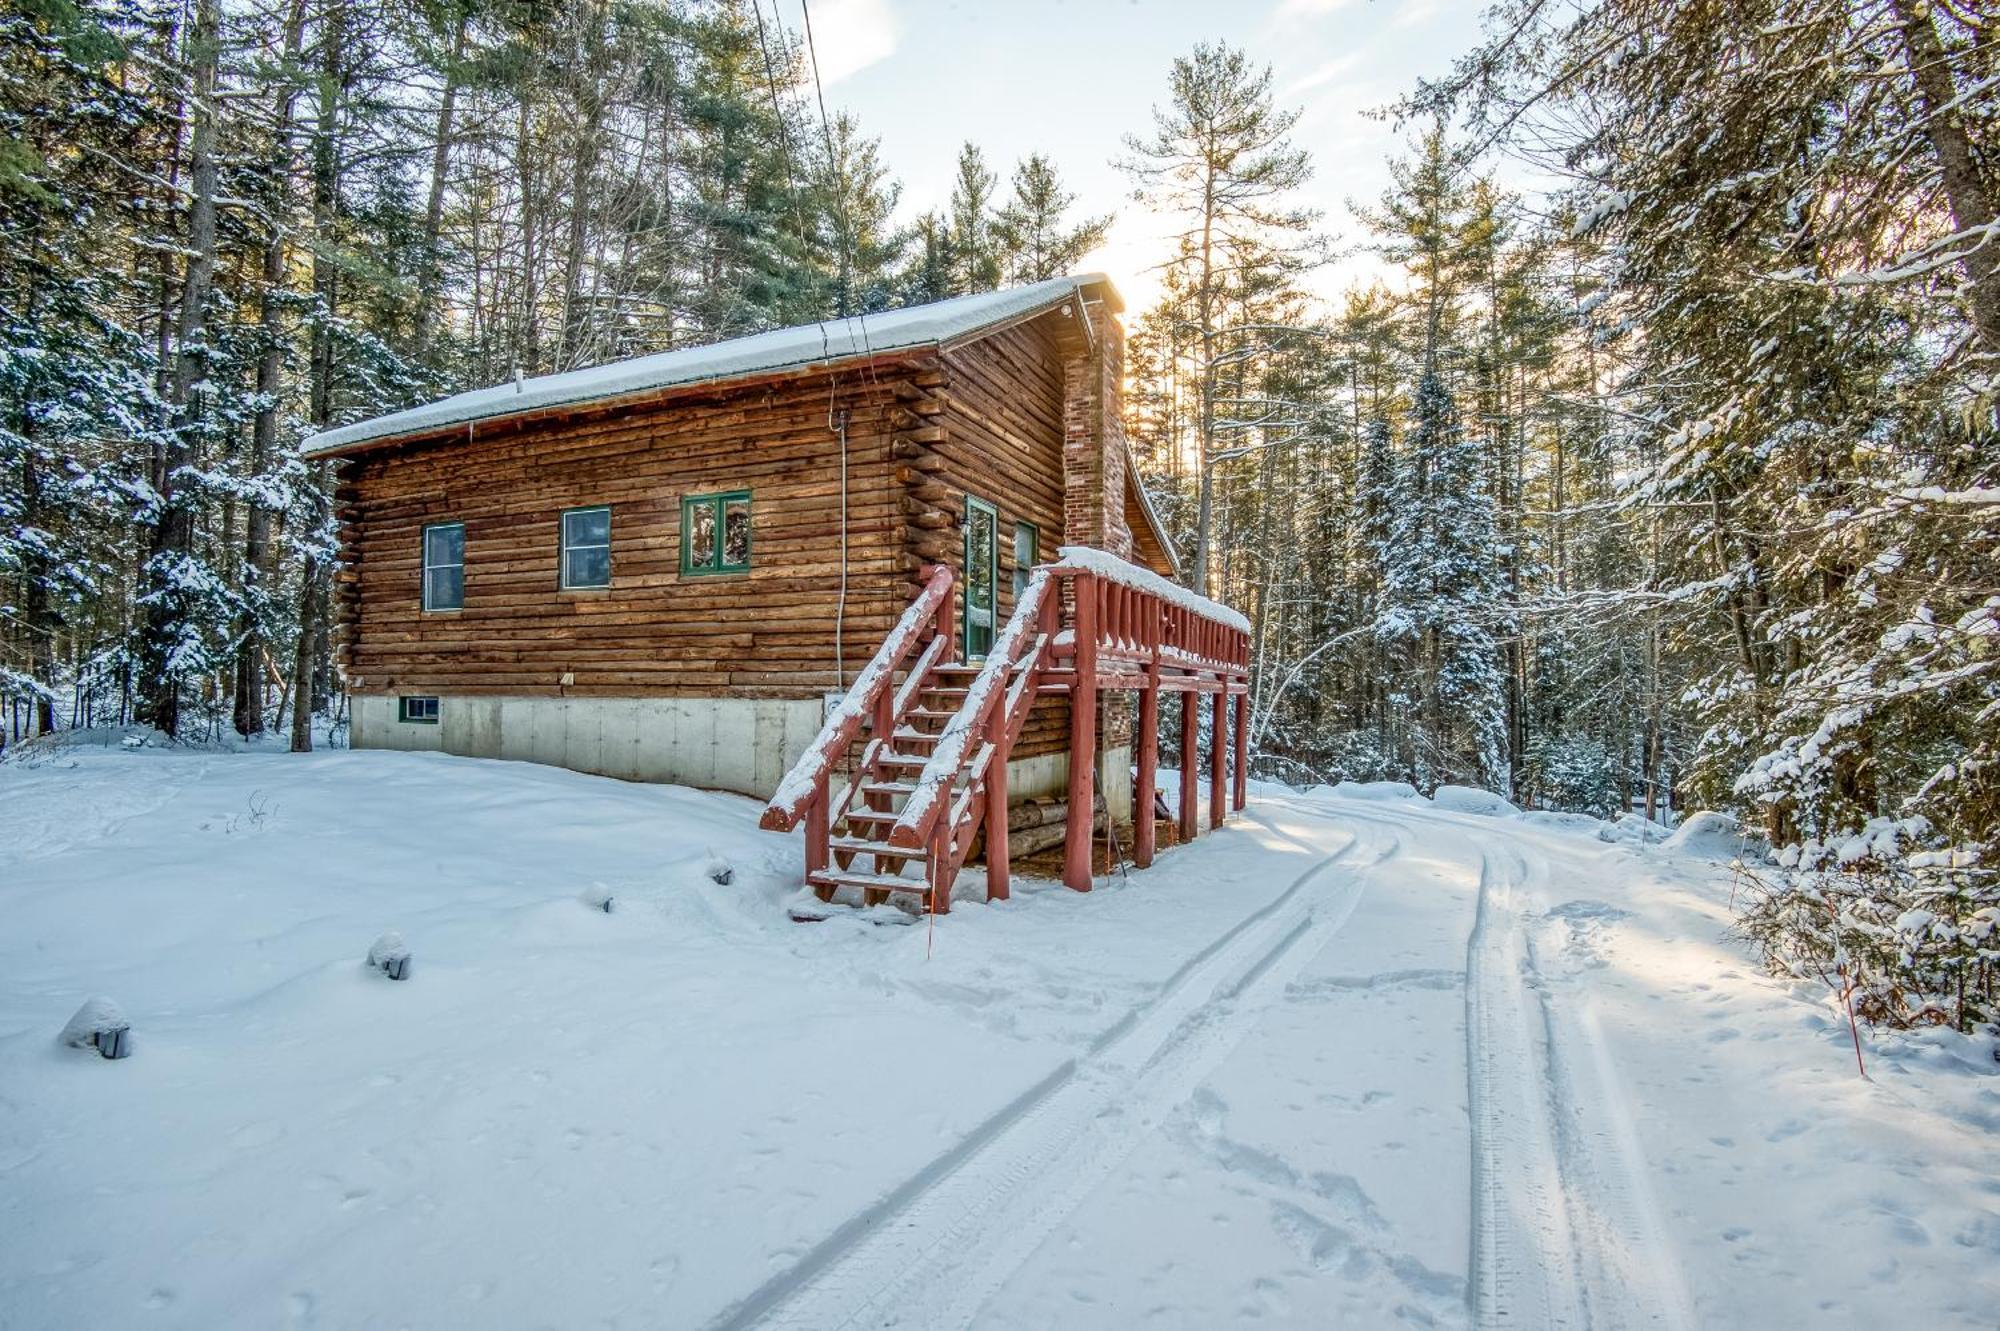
(917, 326)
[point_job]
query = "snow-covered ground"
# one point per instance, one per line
(1352, 1061)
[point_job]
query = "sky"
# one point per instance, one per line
(1072, 77)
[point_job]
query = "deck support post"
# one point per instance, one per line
(1189, 764)
(1082, 739)
(996, 808)
(1218, 758)
(1147, 737)
(1242, 781)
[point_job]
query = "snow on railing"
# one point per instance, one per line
(1089, 559)
(795, 793)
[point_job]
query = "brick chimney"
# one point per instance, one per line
(1094, 428)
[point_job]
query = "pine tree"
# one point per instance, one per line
(976, 255)
(1034, 243)
(1219, 159)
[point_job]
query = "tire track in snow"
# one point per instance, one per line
(1523, 1252)
(933, 1252)
(1565, 1230)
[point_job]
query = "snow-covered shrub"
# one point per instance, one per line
(1909, 937)
(1574, 773)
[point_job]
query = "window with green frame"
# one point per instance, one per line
(1027, 553)
(980, 603)
(715, 533)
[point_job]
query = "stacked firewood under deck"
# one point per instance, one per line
(929, 737)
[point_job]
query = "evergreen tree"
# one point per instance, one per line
(1220, 161)
(1034, 243)
(974, 249)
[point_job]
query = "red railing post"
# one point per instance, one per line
(1082, 737)
(947, 623)
(816, 827)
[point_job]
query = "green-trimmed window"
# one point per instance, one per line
(1027, 553)
(444, 566)
(981, 600)
(715, 533)
(586, 547)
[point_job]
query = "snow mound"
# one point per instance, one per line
(1631, 827)
(1707, 835)
(1561, 820)
(1376, 790)
(1471, 799)
(98, 1016)
(390, 955)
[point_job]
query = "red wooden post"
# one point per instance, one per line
(1242, 792)
(1147, 732)
(1189, 762)
(1082, 738)
(1148, 740)
(938, 899)
(947, 624)
(816, 833)
(1218, 756)
(996, 808)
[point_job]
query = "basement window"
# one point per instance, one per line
(421, 711)
(586, 547)
(715, 533)
(444, 566)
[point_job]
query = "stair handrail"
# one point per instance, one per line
(988, 688)
(805, 784)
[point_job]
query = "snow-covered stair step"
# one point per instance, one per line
(888, 788)
(873, 882)
(907, 735)
(902, 761)
(880, 849)
(872, 815)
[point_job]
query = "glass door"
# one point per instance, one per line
(982, 574)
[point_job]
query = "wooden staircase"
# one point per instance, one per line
(884, 780)
(931, 764)
(928, 755)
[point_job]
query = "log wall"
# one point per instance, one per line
(768, 632)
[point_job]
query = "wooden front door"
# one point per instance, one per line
(982, 577)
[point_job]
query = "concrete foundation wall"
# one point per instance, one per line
(739, 744)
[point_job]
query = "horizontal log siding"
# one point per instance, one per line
(1004, 444)
(765, 633)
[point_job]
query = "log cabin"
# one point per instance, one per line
(855, 567)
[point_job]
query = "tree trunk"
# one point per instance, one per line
(326, 199)
(1944, 126)
(173, 537)
(430, 277)
(258, 565)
